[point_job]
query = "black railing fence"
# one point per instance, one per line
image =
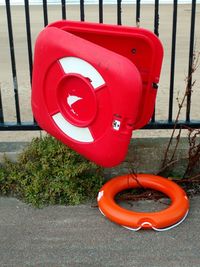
(20, 24)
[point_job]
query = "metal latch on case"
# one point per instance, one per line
(116, 125)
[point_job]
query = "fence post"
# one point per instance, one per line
(173, 57)
(191, 58)
(13, 63)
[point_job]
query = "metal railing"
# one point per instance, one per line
(154, 124)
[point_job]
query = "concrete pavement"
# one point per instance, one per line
(81, 236)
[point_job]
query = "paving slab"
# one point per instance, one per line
(81, 236)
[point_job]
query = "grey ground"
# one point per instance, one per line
(81, 236)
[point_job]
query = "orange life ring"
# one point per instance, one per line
(161, 220)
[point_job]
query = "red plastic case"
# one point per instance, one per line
(140, 46)
(88, 95)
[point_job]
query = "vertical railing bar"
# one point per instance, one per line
(156, 31)
(173, 57)
(63, 3)
(28, 34)
(156, 18)
(138, 13)
(29, 41)
(45, 12)
(82, 10)
(100, 11)
(1, 108)
(191, 57)
(13, 63)
(119, 12)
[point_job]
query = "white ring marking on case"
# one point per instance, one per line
(80, 66)
(81, 134)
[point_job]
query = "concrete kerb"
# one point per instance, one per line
(11, 150)
(145, 155)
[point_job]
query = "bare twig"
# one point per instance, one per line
(149, 194)
(194, 150)
(176, 146)
(133, 174)
(188, 91)
(193, 178)
(174, 129)
(167, 166)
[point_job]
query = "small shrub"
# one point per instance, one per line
(48, 172)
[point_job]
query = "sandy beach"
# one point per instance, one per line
(91, 14)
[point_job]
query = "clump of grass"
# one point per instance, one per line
(47, 172)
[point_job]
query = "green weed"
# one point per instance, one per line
(48, 172)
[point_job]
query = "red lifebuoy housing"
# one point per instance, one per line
(93, 84)
(80, 95)
(140, 46)
(161, 220)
